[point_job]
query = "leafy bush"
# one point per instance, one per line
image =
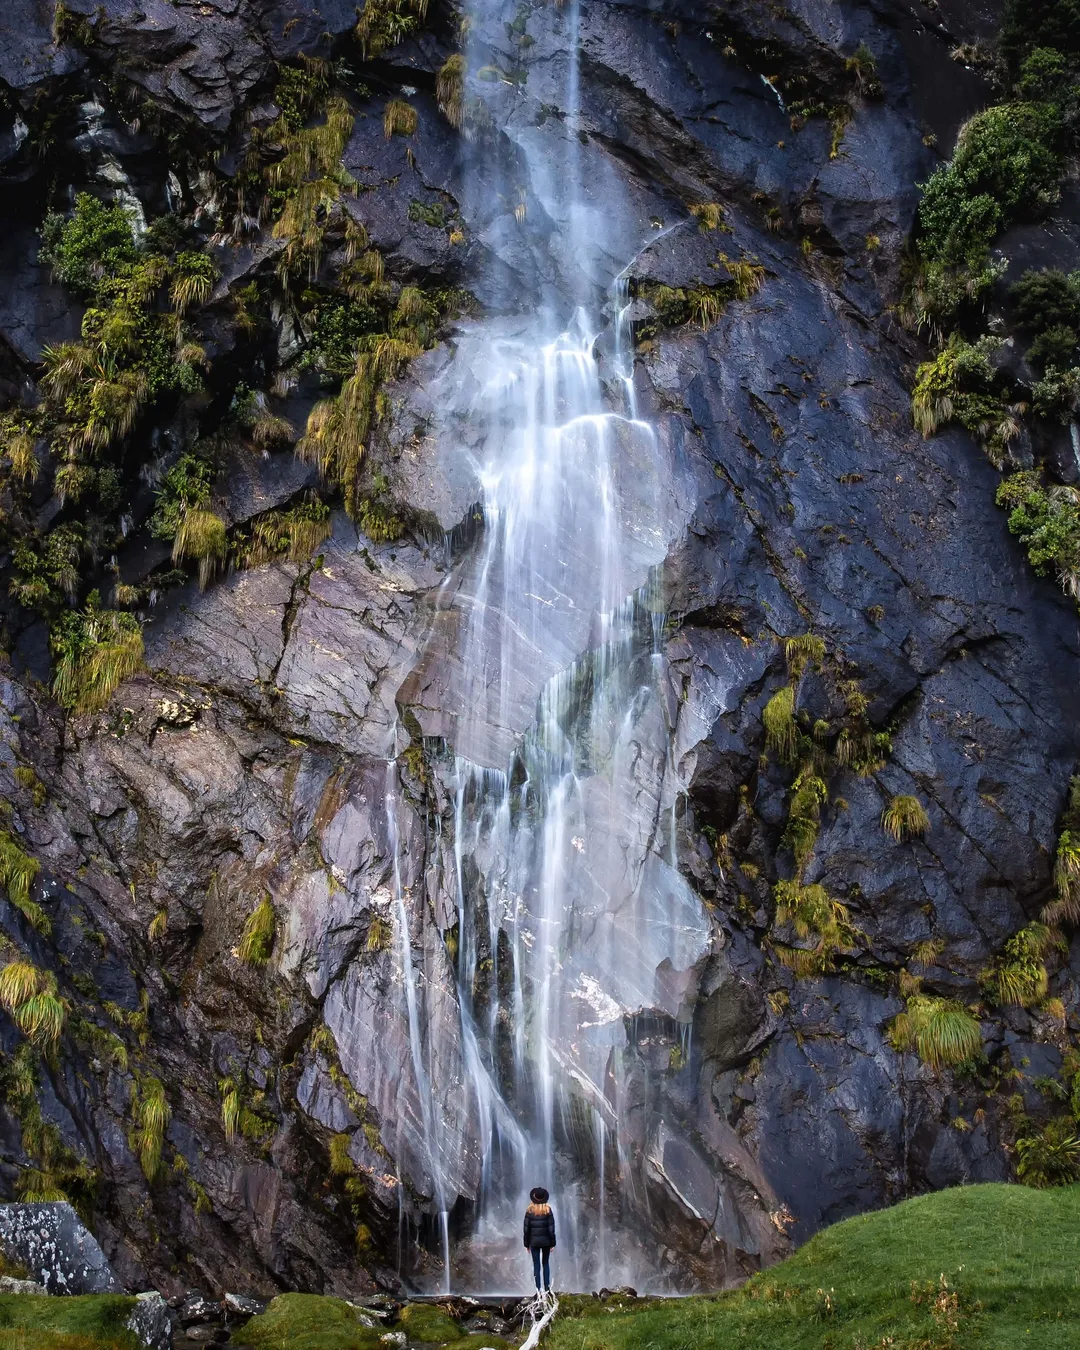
(95, 649)
(46, 571)
(1032, 24)
(337, 326)
(1047, 522)
(1006, 163)
(1045, 298)
(1051, 1156)
(1054, 348)
(96, 242)
(185, 487)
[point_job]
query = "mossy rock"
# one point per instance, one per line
(308, 1322)
(430, 1325)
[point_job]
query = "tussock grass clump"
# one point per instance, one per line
(399, 118)
(31, 998)
(152, 1116)
(709, 215)
(807, 649)
(257, 941)
(941, 1032)
(450, 90)
(17, 874)
(816, 916)
(1019, 978)
(201, 537)
(778, 717)
(904, 818)
(380, 934)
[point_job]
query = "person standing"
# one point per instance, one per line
(539, 1235)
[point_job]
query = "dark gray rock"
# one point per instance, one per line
(150, 1321)
(50, 1240)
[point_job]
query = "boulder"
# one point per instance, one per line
(53, 1243)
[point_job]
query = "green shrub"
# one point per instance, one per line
(1006, 163)
(1047, 523)
(185, 487)
(95, 650)
(1043, 299)
(1050, 1156)
(956, 385)
(95, 242)
(1054, 348)
(337, 326)
(1032, 24)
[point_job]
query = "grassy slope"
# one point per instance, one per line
(1011, 1255)
(91, 1322)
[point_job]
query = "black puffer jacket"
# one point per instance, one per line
(539, 1230)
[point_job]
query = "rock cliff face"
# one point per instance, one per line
(300, 728)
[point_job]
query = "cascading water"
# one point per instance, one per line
(569, 915)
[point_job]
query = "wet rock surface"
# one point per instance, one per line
(250, 758)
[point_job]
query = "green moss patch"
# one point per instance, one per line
(429, 1324)
(308, 1322)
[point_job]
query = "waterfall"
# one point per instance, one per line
(569, 917)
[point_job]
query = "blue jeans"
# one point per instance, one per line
(541, 1254)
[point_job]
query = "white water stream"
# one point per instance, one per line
(571, 916)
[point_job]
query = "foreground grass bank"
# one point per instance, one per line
(975, 1268)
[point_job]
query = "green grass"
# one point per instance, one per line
(1010, 1257)
(88, 1322)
